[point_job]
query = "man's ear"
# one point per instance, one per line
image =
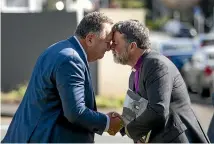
(89, 39)
(133, 45)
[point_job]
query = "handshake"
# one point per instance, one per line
(116, 123)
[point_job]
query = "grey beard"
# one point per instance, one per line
(122, 59)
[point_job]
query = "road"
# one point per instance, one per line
(202, 107)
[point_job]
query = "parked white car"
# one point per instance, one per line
(178, 50)
(198, 72)
(203, 40)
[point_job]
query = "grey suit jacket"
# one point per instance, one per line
(169, 114)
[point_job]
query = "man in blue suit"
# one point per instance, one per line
(59, 104)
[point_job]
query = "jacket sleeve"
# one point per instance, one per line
(158, 86)
(70, 81)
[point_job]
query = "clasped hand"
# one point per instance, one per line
(116, 123)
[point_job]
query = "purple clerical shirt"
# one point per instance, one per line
(137, 71)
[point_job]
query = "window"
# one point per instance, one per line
(21, 6)
(207, 42)
(17, 3)
(173, 48)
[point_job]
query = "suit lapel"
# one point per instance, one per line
(83, 56)
(142, 90)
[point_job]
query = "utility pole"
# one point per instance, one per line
(198, 20)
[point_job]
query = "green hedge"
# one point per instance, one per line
(156, 24)
(130, 3)
(109, 101)
(16, 96)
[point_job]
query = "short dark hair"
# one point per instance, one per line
(92, 22)
(134, 31)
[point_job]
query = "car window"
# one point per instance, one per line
(207, 42)
(176, 48)
(211, 56)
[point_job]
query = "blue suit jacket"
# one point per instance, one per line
(59, 103)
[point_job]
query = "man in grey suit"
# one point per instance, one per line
(59, 104)
(168, 116)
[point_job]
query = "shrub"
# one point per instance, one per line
(156, 24)
(110, 101)
(15, 96)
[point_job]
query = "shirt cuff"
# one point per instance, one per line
(107, 123)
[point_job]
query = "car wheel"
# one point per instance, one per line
(205, 92)
(190, 90)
